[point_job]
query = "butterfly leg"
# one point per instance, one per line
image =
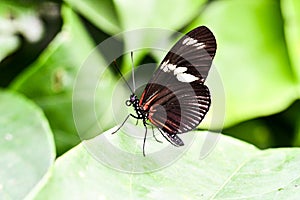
(145, 136)
(130, 115)
(157, 140)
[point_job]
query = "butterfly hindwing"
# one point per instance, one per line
(180, 107)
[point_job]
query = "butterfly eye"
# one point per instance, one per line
(128, 103)
(133, 97)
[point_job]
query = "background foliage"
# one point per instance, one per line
(43, 45)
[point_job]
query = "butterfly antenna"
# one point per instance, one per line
(132, 71)
(117, 68)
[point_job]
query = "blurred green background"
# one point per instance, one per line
(44, 43)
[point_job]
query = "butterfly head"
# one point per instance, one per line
(132, 99)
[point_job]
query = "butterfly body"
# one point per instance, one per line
(140, 112)
(176, 99)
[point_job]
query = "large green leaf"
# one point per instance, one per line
(252, 57)
(101, 13)
(144, 14)
(232, 170)
(51, 79)
(113, 16)
(26, 146)
(141, 15)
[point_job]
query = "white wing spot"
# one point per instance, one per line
(187, 78)
(184, 77)
(185, 40)
(168, 67)
(171, 67)
(189, 41)
(164, 64)
(179, 70)
(200, 45)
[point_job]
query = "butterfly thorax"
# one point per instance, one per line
(134, 102)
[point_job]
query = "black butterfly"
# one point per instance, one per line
(176, 100)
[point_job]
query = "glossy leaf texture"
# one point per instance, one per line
(233, 169)
(26, 146)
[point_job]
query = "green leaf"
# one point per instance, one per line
(26, 146)
(144, 14)
(291, 14)
(232, 169)
(115, 16)
(252, 57)
(101, 13)
(51, 79)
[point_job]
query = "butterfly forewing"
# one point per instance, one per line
(176, 97)
(195, 56)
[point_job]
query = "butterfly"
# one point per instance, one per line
(176, 100)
